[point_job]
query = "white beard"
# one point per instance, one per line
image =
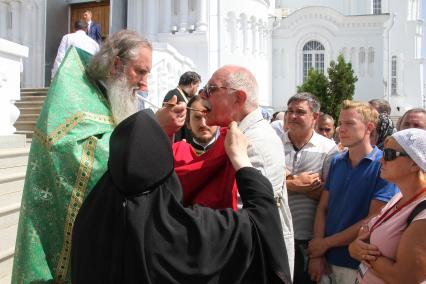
(122, 98)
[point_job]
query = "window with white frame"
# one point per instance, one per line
(377, 7)
(313, 57)
(394, 76)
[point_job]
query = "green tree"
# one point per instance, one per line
(341, 85)
(317, 84)
(331, 91)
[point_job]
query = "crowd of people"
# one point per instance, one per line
(205, 190)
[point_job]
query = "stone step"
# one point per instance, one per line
(6, 264)
(28, 117)
(39, 90)
(14, 157)
(34, 93)
(27, 98)
(25, 104)
(28, 133)
(25, 125)
(30, 110)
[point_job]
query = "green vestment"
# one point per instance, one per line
(69, 154)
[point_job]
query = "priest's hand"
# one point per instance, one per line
(236, 147)
(171, 116)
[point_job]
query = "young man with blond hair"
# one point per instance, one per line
(353, 192)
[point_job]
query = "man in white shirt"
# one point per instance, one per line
(307, 157)
(78, 39)
(231, 95)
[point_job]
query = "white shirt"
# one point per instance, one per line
(266, 154)
(315, 157)
(78, 39)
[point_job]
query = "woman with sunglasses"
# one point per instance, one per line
(391, 248)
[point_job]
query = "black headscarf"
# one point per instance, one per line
(384, 129)
(132, 228)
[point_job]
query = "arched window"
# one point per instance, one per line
(313, 57)
(377, 7)
(394, 76)
(361, 61)
(371, 61)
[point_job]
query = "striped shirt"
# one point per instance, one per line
(315, 157)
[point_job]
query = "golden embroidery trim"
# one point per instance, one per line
(70, 123)
(74, 205)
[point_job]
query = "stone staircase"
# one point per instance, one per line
(13, 165)
(30, 106)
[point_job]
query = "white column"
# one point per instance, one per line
(3, 19)
(255, 36)
(167, 15)
(150, 17)
(10, 68)
(183, 15)
(201, 24)
(16, 18)
(131, 14)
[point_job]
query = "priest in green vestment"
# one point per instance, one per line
(69, 150)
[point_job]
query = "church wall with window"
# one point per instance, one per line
(314, 36)
(406, 38)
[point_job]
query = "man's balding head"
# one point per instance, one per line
(231, 94)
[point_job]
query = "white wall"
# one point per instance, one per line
(23, 22)
(245, 39)
(338, 34)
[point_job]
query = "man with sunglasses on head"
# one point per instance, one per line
(353, 192)
(232, 95)
(307, 158)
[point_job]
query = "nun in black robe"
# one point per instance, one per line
(133, 228)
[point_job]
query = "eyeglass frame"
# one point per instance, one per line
(207, 89)
(390, 154)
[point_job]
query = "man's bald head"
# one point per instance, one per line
(239, 78)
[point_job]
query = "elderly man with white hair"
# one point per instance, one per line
(231, 95)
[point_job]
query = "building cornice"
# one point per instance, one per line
(333, 19)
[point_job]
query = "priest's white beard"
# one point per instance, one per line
(122, 98)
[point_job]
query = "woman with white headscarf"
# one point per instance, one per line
(392, 246)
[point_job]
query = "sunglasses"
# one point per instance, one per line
(209, 89)
(391, 154)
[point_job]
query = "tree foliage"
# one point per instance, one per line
(331, 91)
(316, 84)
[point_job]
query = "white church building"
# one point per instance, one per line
(279, 41)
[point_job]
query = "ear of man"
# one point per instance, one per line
(117, 66)
(240, 97)
(370, 127)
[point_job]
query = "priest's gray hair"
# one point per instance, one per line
(124, 44)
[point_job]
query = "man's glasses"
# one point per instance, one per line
(391, 154)
(209, 89)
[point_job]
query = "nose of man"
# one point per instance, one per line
(143, 85)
